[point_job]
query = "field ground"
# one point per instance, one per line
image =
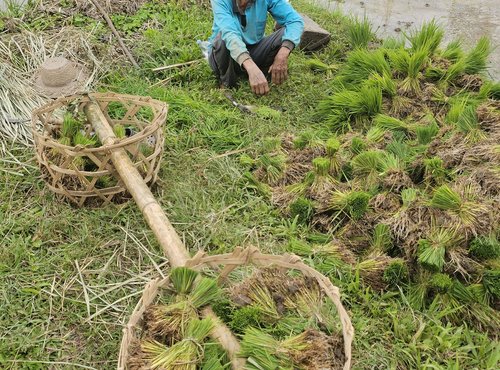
(69, 277)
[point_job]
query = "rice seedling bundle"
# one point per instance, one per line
(406, 121)
(276, 316)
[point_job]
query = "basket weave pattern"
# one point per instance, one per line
(79, 186)
(230, 261)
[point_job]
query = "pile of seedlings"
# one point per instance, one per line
(403, 175)
(282, 322)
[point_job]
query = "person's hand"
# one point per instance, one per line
(256, 78)
(279, 69)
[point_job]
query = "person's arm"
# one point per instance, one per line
(231, 35)
(286, 16)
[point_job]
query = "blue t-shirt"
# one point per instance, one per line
(227, 23)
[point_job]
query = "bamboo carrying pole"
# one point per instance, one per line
(168, 238)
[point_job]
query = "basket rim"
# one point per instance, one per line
(149, 129)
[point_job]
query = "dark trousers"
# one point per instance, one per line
(228, 71)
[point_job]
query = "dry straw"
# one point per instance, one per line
(238, 258)
(21, 54)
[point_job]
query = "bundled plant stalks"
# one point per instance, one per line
(281, 317)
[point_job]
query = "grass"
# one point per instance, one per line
(70, 277)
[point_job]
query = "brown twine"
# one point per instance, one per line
(238, 257)
(78, 186)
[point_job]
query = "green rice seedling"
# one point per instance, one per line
(441, 283)
(396, 273)
(468, 124)
(247, 161)
(263, 300)
(183, 355)
(399, 60)
(393, 43)
(332, 147)
(214, 357)
(300, 188)
(370, 101)
(367, 165)
(432, 250)
(182, 279)
(80, 139)
(434, 171)
(431, 256)
(273, 166)
(119, 131)
(425, 134)
(489, 90)
(476, 59)
(83, 140)
(104, 182)
(427, 39)
(266, 112)
(416, 63)
(434, 73)
(253, 183)
(223, 307)
(391, 163)
(382, 238)
(401, 150)
(270, 145)
(299, 247)
(260, 349)
(385, 83)
(454, 71)
(359, 33)
(408, 196)
(467, 212)
(263, 350)
(457, 107)
(358, 145)
(340, 109)
(353, 203)
(204, 292)
(307, 302)
(70, 126)
(172, 319)
(245, 317)
(361, 64)
(479, 293)
(308, 138)
(485, 247)
(317, 65)
(453, 51)
(390, 123)
(322, 179)
(302, 209)
(375, 134)
(491, 281)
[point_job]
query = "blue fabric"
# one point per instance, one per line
(227, 23)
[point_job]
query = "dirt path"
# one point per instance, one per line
(464, 19)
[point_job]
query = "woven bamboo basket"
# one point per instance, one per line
(222, 265)
(144, 117)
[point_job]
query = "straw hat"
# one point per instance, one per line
(59, 77)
